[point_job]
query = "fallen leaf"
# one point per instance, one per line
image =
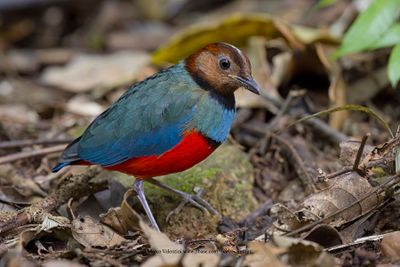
(62, 263)
(390, 246)
(167, 252)
(234, 29)
(50, 225)
(82, 105)
(263, 255)
(18, 113)
(92, 234)
(123, 218)
(86, 72)
(344, 191)
(304, 253)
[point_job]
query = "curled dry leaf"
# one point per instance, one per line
(49, 226)
(324, 235)
(123, 218)
(348, 196)
(343, 192)
(390, 246)
(92, 234)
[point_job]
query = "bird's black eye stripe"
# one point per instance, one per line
(224, 63)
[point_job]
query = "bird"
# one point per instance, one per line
(168, 122)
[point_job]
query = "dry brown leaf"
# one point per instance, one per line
(390, 246)
(382, 151)
(91, 234)
(202, 259)
(62, 263)
(337, 88)
(263, 255)
(324, 235)
(344, 191)
(123, 218)
(87, 72)
(49, 224)
(286, 217)
(303, 252)
(168, 253)
(171, 254)
(18, 113)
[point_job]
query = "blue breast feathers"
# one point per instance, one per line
(213, 119)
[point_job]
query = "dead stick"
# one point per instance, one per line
(31, 142)
(28, 154)
(360, 151)
(75, 187)
(358, 241)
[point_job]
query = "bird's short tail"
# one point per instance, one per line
(69, 156)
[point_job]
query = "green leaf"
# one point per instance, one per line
(359, 108)
(325, 3)
(390, 38)
(394, 66)
(370, 26)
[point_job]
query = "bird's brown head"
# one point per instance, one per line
(221, 67)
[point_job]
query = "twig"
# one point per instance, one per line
(297, 161)
(327, 131)
(357, 242)
(28, 154)
(341, 172)
(31, 142)
(285, 106)
(74, 187)
(360, 151)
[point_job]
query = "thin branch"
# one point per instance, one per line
(360, 151)
(358, 241)
(31, 142)
(75, 187)
(28, 154)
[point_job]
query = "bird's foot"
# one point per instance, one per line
(196, 201)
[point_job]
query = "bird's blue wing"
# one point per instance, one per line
(148, 119)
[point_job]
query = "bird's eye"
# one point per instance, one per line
(224, 63)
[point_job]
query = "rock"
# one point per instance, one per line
(227, 180)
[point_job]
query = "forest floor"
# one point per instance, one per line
(293, 189)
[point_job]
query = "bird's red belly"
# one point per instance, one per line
(192, 149)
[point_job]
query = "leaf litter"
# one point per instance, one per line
(318, 183)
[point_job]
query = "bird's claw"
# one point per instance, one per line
(196, 201)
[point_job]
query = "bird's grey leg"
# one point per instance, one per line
(139, 189)
(195, 200)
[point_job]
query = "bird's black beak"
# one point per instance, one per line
(249, 84)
